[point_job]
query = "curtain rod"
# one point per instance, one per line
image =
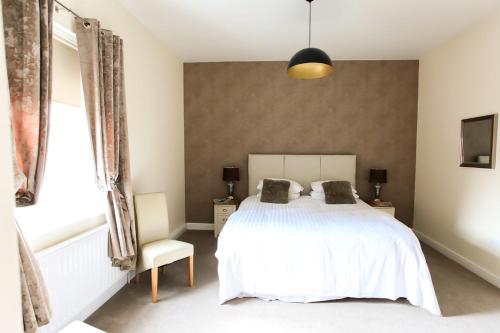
(72, 12)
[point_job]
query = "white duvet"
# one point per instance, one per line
(308, 251)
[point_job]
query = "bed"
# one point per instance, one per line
(308, 251)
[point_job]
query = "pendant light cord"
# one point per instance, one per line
(309, 24)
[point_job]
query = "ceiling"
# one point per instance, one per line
(258, 30)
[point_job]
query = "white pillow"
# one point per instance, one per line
(321, 195)
(291, 196)
(294, 186)
(318, 186)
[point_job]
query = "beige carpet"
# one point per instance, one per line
(469, 304)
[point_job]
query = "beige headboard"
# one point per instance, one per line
(301, 168)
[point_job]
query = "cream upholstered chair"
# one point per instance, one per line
(155, 249)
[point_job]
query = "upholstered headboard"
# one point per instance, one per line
(302, 168)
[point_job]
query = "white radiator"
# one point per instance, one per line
(79, 277)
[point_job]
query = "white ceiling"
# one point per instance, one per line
(250, 30)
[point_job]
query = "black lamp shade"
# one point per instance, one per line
(310, 63)
(378, 176)
(230, 174)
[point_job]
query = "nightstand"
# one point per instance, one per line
(222, 211)
(391, 210)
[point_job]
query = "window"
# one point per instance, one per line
(70, 201)
(69, 193)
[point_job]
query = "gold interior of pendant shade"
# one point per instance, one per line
(310, 70)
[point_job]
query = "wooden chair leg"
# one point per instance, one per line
(154, 284)
(138, 278)
(191, 272)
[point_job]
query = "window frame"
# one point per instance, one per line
(77, 228)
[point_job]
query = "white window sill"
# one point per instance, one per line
(61, 235)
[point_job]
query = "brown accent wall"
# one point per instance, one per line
(367, 108)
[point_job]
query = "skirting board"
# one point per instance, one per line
(468, 264)
(200, 226)
(178, 232)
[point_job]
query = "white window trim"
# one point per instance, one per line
(64, 35)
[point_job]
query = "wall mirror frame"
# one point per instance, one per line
(478, 142)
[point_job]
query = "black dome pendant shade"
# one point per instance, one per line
(310, 63)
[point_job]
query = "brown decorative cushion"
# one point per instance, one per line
(275, 191)
(338, 192)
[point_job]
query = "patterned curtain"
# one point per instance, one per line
(101, 62)
(28, 52)
(28, 48)
(36, 308)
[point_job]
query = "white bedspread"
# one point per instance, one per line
(308, 251)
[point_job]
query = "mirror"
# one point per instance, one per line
(479, 142)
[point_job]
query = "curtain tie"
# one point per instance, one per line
(110, 186)
(112, 183)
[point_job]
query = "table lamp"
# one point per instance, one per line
(378, 176)
(230, 175)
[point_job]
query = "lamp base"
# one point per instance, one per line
(230, 189)
(378, 187)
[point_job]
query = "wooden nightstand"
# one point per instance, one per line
(391, 210)
(222, 211)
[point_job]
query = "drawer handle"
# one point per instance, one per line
(224, 209)
(224, 219)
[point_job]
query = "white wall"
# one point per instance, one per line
(10, 300)
(155, 103)
(459, 208)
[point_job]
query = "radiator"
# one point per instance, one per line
(79, 277)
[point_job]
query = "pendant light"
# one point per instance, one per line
(310, 63)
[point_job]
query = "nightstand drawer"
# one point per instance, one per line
(224, 209)
(221, 219)
(219, 223)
